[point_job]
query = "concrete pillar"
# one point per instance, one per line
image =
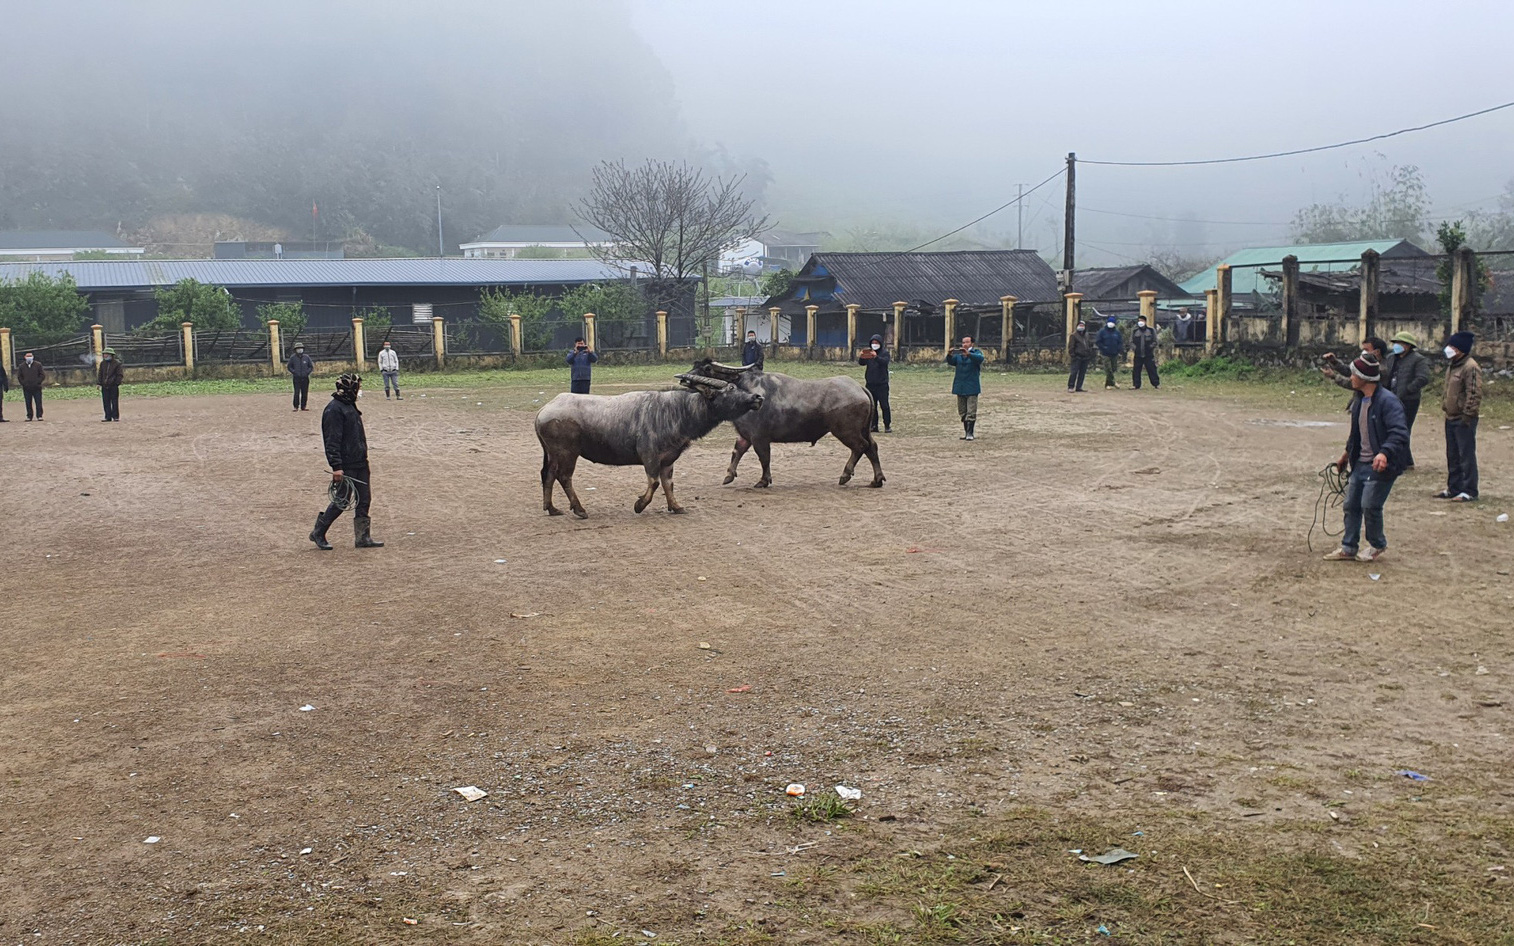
(1223, 300)
(1366, 312)
(773, 314)
(899, 308)
(1463, 272)
(1211, 320)
(359, 344)
(590, 335)
(811, 325)
(275, 350)
(7, 350)
(439, 339)
(662, 334)
(97, 341)
(517, 340)
(741, 325)
(950, 319)
(1074, 303)
(1290, 303)
(851, 326)
(1148, 299)
(188, 328)
(1007, 331)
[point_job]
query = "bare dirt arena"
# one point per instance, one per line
(1096, 626)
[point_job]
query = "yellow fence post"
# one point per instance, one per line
(7, 351)
(1211, 320)
(1463, 275)
(1148, 299)
(188, 330)
(1007, 330)
(1366, 310)
(662, 335)
(809, 338)
(439, 340)
(741, 325)
(950, 325)
(851, 326)
(97, 341)
(899, 308)
(359, 344)
(517, 340)
(773, 315)
(275, 350)
(1223, 302)
(1074, 304)
(590, 336)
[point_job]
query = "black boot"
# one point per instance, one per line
(318, 534)
(360, 527)
(970, 425)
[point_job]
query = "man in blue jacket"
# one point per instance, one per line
(1110, 344)
(300, 368)
(751, 353)
(966, 385)
(579, 360)
(1376, 452)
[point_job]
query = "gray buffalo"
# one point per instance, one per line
(799, 411)
(649, 428)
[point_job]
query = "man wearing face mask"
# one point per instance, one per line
(875, 357)
(1143, 351)
(31, 375)
(1461, 402)
(751, 353)
(1408, 377)
(346, 444)
(1111, 345)
(967, 384)
(108, 377)
(1079, 354)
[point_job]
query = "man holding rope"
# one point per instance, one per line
(347, 453)
(1376, 452)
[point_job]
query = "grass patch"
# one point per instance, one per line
(1221, 367)
(820, 808)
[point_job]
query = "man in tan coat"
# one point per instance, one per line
(1460, 404)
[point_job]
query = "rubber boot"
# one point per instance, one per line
(970, 425)
(318, 534)
(360, 527)
(964, 431)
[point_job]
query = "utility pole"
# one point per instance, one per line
(440, 251)
(1020, 217)
(1069, 218)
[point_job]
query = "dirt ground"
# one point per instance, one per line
(1103, 607)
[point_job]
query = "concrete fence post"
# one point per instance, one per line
(1007, 326)
(775, 313)
(97, 341)
(1290, 303)
(741, 325)
(275, 349)
(439, 340)
(1463, 272)
(851, 326)
(1223, 300)
(1366, 311)
(949, 324)
(517, 340)
(1148, 299)
(662, 335)
(359, 345)
(1211, 320)
(899, 308)
(7, 350)
(1074, 304)
(810, 326)
(188, 334)
(591, 337)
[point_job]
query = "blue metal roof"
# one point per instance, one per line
(91, 275)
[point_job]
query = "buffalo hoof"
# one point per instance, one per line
(729, 479)
(640, 505)
(677, 510)
(876, 484)
(580, 514)
(845, 478)
(553, 511)
(762, 484)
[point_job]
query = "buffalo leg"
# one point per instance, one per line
(649, 492)
(666, 476)
(742, 445)
(548, 477)
(765, 454)
(851, 464)
(872, 455)
(565, 477)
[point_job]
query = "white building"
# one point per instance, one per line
(507, 241)
(46, 246)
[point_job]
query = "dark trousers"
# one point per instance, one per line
(110, 399)
(1077, 374)
(1461, 457)
(360, 479)
(1411, 411)
(880, 403)
(579, 387)
(1366, 493)
(1149, 362)
(33, 398)
(301, 392)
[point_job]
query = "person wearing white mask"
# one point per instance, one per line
(875, 357)
(1143, 353)
(32, 376)
(1407, 379)
(389, 367)
(1461, 403)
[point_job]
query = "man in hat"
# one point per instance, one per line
(108, 377)
(347, 453)
(751, 352)
(389, 367)
(1460, 404)
(1143, 353)
(301, 368)
(967, 384)
(1111, 345)
(1408, 374)
(1376, 452)
(31, 376)
(1079, 354)
(875, 358)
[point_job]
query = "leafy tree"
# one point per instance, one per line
(777, 283)
(619, 308)
(535, 311)
(290, 315)
(209, 308)
(1397, 209)
(376, 319)
(41, 309)
(1452, 237)
(1177, 265)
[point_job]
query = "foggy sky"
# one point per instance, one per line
(936, 110)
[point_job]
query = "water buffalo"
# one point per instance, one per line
(799, 411)
(650, 428)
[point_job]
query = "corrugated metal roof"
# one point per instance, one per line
(1099, 283)
(878, 280)
(292, 273)
(532, 234)
(1246, 265)
(58, 240)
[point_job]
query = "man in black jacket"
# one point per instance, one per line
(875, 357)
(1143, 352)
(300, 368)
(5, 385)
(1376, 452)
(1408, 374)
(32, 376)
(751, 352)
(347, 453)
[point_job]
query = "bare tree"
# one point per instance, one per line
(670, 218)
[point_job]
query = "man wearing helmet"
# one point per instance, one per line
(347, 453)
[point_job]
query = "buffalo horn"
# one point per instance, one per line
(694, 380)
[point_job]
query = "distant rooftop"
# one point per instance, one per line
(69, 241)
(541, 235)
(1246, 265)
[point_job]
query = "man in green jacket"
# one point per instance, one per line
(966, 385)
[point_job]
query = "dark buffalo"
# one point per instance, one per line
(650, 428)
(799, 411)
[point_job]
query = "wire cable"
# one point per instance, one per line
(1332, 495)
(1285, 154)
(343, 492)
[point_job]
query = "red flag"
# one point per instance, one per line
(314, 210)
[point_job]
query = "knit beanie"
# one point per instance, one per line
(1366, 368)
(1462, 342)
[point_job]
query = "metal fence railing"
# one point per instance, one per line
(148, 351)
(232, 347)
(409, 343)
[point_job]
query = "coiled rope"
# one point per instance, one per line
(343, 492)
(1332, 495)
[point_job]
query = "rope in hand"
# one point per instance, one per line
(1332, 495)
(342, 492)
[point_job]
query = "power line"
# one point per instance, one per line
(1469, 206)
(1285, 154)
